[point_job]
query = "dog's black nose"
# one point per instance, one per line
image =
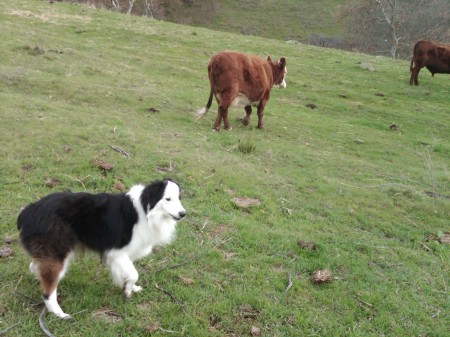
(182, 214)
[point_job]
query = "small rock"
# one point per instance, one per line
(119, 186)
(5, 251)
(9, 239)
(393, 127)
(306, 245)
(152, 110)
(102, 165)
(52, 182)
(321, 276)
(445, 238)
(186, 280)
(255, 331)
(311, 105)
(246, 202)
(152, 327)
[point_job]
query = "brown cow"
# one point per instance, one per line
(241, 79)
(434, 56)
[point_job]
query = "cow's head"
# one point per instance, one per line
(443, 54)
(279, 72)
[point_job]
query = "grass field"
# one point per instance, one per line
(364, 176)
(284, 20)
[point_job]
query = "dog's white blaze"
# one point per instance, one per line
(155, 228)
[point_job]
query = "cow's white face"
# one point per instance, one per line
(283, 84)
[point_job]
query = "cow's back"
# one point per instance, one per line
(233, 71)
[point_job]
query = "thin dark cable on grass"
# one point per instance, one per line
(180, 264)
(42, 325)
(28, 298)
(8, 328)
(168, 293)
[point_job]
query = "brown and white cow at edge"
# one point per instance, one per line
(241, 79)
(434, 56)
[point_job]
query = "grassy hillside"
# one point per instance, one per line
(364, 176)
(284, 20)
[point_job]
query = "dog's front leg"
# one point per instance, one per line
(124, 273)
(130, 279)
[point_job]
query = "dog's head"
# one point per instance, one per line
(163, 196)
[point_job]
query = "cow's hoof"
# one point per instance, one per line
(245, 122)
(229, 129)
(216, 130)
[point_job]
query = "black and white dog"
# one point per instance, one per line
(121, 227)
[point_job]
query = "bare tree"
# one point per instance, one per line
(393, 26)
(149, 8)
(391, 18)
(116, 5)
(130, 6)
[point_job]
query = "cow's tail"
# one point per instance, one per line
(204, 110)
(411, 66)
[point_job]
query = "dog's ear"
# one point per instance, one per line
(152, 193)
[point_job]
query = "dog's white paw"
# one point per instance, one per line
(136, 289)
(65, 316)
(62, 315)
(127, 293)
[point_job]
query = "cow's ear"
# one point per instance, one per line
(281, 62)
(269, 59)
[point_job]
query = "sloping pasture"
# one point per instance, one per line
(364, 176)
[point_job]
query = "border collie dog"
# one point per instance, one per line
(120, 227)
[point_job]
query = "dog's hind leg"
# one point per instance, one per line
(123, 273)
(50, 272)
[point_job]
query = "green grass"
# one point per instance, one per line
(283, 20)
(75, 80)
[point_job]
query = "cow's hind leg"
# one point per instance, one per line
(226, 123)
(248, 112)
(226, 98)
(218, 121)
(50, 273)
(261, 106)
(222, 114)
(414, 76)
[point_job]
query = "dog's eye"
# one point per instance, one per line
(167, 199)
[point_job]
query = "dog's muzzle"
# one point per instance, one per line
(180, 216)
